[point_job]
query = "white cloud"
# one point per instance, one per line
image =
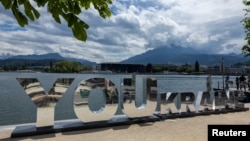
(135, 27)
(217, 37)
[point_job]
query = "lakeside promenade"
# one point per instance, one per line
(186, 129)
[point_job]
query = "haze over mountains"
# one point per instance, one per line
(165, 55)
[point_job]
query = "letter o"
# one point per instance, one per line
(94, 100)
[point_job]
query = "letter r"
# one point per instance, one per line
(214, 132)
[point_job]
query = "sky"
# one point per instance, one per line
(135, 27)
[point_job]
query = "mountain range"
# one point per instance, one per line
(164, 55)
(49, 56)
(179, 55)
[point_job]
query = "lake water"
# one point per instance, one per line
(17, 108)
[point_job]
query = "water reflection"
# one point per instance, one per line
(171, 101)
(188, 99)
(128, 90)
(224, 99)
(206, 101)
(95, 95)
(42, 99)
(36, 92)
(83, 90)
(139, 97)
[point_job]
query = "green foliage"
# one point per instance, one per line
(189, 70)
(68, 67)
(246, 23)
(185, 68)
(67, 9)
(171, 68)
(157, 69)
(60, 66)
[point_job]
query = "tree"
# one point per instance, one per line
(157, 69)
(196, 66)
(23, 10)
(149, 68)
(246, 23)
(68, 67)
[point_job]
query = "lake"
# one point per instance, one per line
(17, 108)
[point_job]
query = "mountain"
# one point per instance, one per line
(175, 55)
(179, 55)
(49, 56)
(5, 56)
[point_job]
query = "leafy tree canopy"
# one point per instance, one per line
(246, 23)
(68, 66)
(23, 10)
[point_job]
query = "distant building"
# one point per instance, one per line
(217, 70)
(121, 68)
(39, 68)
